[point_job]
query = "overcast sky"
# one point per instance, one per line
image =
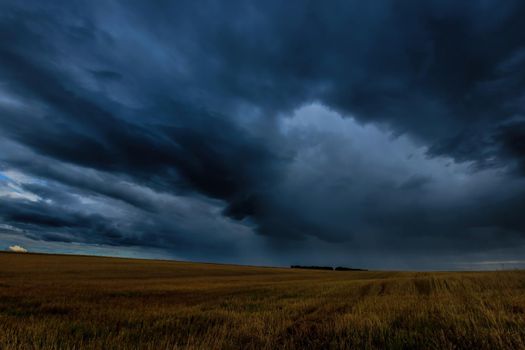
(377, 134)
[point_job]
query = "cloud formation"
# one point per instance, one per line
(373, 133)
(17, 249)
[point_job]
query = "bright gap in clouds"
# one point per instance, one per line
(11, 186)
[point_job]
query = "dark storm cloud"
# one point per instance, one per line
(184, 152)
(44, 218)
(450, 73)
(375, 126)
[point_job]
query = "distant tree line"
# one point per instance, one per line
(343, 268)
(330, 268)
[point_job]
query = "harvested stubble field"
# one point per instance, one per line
(77, 302)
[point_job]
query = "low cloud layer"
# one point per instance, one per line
(379, 134)
(17, 249)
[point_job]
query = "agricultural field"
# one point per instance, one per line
(79, 302)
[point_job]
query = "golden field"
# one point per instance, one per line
(78, 302)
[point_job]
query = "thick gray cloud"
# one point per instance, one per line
(377, 133)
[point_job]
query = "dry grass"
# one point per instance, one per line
(73, 302)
